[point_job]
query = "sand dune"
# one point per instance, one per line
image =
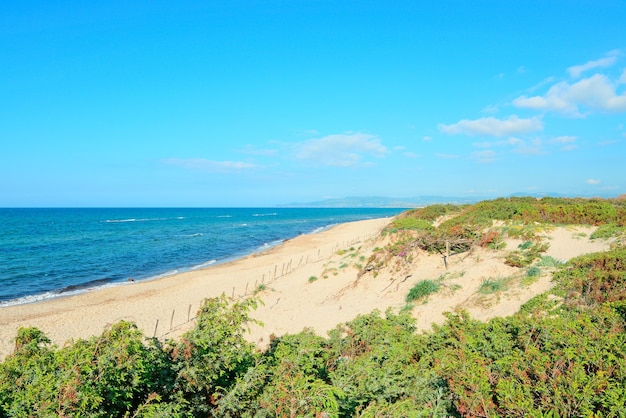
(309, 281)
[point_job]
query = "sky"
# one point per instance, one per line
(262, 103)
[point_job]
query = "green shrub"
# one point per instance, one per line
(527, 254)
(607, 231)
(548, 261)
(412, 223)
(533, 271)
(492, 285)
(422, 290)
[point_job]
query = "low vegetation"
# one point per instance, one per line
(563, 354)
(449, 229)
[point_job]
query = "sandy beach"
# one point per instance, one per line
(309, 281)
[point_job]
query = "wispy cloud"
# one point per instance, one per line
(505, 142)
(607, 61)
(596, 92)
(592, 181)
(567, 142)
(252, 150)
(565, 139)
(493, 127)
(342, 150)
(209, 165)
(447, 156)
(534, 147)
(484, 157)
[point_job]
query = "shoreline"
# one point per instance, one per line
(107, 283)
(164, 306)
(311, 281)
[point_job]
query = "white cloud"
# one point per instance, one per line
(209, 165)
(341, 150)
(447, 156)
(622, 79)
(252, 150)
(427, 138)
(607, 61)
(595, 92)
(564, 139)
(489, 144)
(485, 157)
(493, 127)
(491, 109)
(567, 141)
(534, 147)
(410, 154)
(593, 181)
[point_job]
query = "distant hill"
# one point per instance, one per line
(411, 202)
(383, 202)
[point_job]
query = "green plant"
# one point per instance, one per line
(607, 231)
(312, 279)
(422, 290)
(412, 223)
(492, 285)
(260, 288)
(548, 261)
(533, 271)
(527, 254)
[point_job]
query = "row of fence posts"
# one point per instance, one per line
(156, 325)
(272, 275)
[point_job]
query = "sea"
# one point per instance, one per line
(53, 252)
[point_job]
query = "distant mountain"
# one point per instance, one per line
(383, 202)
(411, 202)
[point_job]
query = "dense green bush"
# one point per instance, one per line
(412, 223)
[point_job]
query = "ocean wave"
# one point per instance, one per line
(322, 228)
(265, 214)
(29, 299)
(204, 265)
(67, 291)
(141, 220)
(160, 276)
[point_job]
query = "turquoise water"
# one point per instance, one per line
(45, 253)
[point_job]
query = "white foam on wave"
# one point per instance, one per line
(204, 265)
(322, 229)
(53, 295)
(137, 220)
(265, 214)
(160, 276)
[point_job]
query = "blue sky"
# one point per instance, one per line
(259, 103)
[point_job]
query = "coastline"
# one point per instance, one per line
(164, 307)
(310, 281)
